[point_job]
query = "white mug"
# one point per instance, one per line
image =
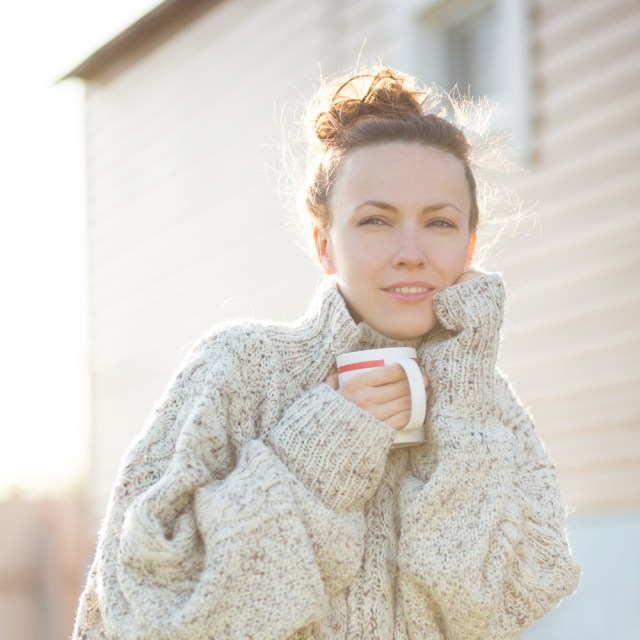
(355, 362)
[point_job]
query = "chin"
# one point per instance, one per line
(406, 333)
(409, 328)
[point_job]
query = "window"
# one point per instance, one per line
(470, 53)
(479, 46)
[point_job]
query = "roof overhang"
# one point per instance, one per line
(163, 19)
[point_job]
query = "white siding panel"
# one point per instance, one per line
(186, 227)
(614, 118)
(610, 37)
(602, 489)
(571, 340)
(573, 21)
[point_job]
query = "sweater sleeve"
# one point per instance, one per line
(483, 529)
(205, 537)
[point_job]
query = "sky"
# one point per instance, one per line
(44, 382)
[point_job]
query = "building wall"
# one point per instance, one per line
(571, 340)
(186, 227)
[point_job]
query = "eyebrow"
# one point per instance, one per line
(388, 207)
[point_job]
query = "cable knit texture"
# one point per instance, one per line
(260, 504)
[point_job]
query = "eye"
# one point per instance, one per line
(441, 223)
(373, 221)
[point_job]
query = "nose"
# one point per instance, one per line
(409, 253)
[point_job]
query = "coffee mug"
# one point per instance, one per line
(355, 362)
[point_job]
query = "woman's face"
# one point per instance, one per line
(399, 233)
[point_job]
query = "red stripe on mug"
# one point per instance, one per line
(361, 365)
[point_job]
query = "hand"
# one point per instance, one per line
(382, 392)
(460, 355)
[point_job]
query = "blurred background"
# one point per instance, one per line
(142, 201)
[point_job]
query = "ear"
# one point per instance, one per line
(470, 250)
(321, 240)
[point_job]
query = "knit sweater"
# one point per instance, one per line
(259, 503)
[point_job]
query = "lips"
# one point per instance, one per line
(410, 291)
(409, 287)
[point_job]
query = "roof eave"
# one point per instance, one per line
(140, 31)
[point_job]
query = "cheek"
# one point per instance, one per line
(351, 257)
(449, 260)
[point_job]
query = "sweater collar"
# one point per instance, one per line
(325, 331)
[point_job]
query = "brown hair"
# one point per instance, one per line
(373, 107)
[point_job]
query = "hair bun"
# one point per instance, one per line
(379, 94)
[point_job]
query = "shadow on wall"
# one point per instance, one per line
(43, 562)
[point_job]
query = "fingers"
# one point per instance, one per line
(390, 412)
(383, 392)
(379, 376)
(391, 378)
(395, 413)
(399, 420)
(359, 390)
(379, 385)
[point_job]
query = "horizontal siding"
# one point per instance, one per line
(564, 22)
(609, 489)
(586, 47)
(186, 225)
(187, 228)
(583, 454)
(571, 339)
(569, 405)
(613, 119)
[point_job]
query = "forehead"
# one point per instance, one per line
(404, 173)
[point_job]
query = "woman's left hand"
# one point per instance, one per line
(460, 355)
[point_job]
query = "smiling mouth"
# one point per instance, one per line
(409, 289)
(410, 292)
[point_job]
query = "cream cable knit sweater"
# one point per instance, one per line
(260, 504)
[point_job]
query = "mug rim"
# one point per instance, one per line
(412, 353)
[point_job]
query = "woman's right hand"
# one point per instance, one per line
(382, 392)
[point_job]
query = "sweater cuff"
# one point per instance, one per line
(478, 302)
(335, 448)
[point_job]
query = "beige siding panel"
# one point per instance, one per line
(186, 226)
(579, 386)
(552, 10)
(602, 44)
(556, 220)
(577, 21)
(598, 350)
(581, 452)
(235, 29)
(590, 75)
(614, 118)
(615, 487)
(591, 235)
(591, 90)
(571, 340)
(368, 39)
(570, 20)
(617, 157)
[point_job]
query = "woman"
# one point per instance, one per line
(264, 501)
